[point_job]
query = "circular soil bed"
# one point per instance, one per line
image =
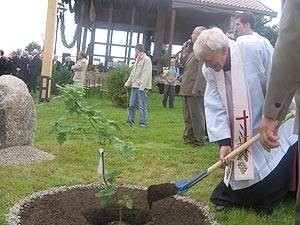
(78, 205)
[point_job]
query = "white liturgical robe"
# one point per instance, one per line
(256, 59)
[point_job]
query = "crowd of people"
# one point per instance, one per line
(27, 66)
(223, 87)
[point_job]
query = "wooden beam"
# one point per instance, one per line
(83, 47)
(159, 32)
(108, 39)
(126, 48)
(171, 34)
(79, 39)
(131, 31)
(45, 86)
(91, 46)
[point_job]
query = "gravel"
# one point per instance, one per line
(20, 155)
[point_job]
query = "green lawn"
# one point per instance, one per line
(160, 157)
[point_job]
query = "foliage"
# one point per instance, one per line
(93, 126)
(33, 45)
(60, 77)
(269, 32)
(115, 84)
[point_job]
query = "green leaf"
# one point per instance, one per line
(111, 176)
(106, 193)
(126, 202)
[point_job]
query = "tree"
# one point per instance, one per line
(269, 32)
(33, 45)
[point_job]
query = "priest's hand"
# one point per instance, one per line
(224, 151)
(268, 134)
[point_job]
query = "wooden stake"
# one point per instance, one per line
(45, 84)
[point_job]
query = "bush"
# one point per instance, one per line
(60, 77)
(115, 84)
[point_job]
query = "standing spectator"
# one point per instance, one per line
(34, 70)
(192, 90)
(56, 64)
(11, 64)
(170, 76)
(18, 64)
(140, 80)
(284, 82)
(80, 69)
(68, 63)
(24, 67)
(3, 61)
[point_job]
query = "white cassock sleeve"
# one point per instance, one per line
(215, 113)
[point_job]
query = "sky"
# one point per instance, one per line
(26, 19)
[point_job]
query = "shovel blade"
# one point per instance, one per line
(160, 191)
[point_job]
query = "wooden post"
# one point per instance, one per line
(45, 84)
(83, 47)
(79, 39)
(171, 35)
(108, 39)
(130, 36)
(91, 46)
(159, 33)
(126, 48)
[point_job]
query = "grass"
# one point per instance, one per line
(160, 157)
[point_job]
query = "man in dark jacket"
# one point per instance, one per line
(192, 90)
(34, 69)
(3, 61)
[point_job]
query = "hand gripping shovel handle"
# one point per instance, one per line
(184, 186)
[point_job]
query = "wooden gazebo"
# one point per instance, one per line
(152, 22)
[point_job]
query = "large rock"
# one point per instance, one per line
(17, 113)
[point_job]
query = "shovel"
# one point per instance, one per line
(161, 191)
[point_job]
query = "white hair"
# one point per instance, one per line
(35, 51)
(213, 38)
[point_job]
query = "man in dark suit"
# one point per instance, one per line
(34, 69)
(24, 67)
(192, 90)
(284, 81)
(3, 61)
(68, 63)
(56, 64)
(17, 61)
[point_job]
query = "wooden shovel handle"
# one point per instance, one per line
(244, 146)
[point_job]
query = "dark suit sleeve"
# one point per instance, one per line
(200, 83)
(285, 73)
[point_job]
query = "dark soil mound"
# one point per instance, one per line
(80, 206)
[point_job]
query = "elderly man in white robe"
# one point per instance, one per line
(236, 74)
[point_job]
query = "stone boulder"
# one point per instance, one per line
(17, 113)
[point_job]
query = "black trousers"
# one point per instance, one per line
(169, 92)
(263, 196)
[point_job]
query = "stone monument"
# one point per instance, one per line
(17, 123)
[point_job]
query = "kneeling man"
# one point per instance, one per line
(237, 74)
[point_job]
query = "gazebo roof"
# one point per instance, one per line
(238, 5)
